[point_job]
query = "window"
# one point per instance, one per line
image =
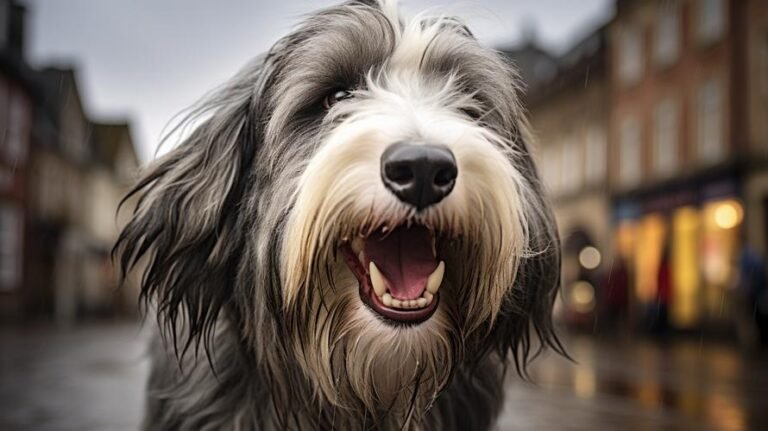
(630, 55)
(16, 137)
(667, 44)
(764, 67)
(709, 122)
(665, 142)
(711, 20)
(4, 104)
(5, 18)
(10, 247)
(629, 162)
(595, 155)
(550, 167)
(571, 165)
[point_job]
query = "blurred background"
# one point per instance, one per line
(651, 119)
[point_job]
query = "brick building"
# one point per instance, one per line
(673, 103)
(688, 159)
(567, 102)
(62, 175)
(16, 94)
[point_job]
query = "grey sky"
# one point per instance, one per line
(149, 59)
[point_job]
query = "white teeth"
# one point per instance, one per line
(428, 296)
(379, 285)
(434, 280)
(377, 280)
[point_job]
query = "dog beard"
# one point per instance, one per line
(351, 302)
(353, 354)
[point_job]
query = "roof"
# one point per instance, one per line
(107, 139)
(546, 74)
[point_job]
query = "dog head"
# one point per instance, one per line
(362, 205)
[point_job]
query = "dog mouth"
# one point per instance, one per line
(399, 272)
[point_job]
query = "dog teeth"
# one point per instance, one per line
(377, 280)
(427, 296)
(379, 284)
(436, 278)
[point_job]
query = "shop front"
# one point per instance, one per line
(682, 249)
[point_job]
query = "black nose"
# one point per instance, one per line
(420, 175)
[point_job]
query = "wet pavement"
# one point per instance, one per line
(92, 378)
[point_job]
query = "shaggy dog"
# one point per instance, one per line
(353, 235)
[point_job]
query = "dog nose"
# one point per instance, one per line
(420, 175)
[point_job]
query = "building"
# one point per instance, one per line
(653, 140)
(688, 162)
(568, 106)
(16, 95)
(62, 175)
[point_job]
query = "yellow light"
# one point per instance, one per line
(589, 257)
(582, 296)
(728, 215)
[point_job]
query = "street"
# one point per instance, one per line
(92, 377)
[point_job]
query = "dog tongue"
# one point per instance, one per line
(404, 256)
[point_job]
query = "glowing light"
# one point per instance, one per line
(728, 215)
(589, 257)
(582, 296)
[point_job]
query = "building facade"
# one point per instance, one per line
(652, 136)
(16, 94)
(568, 106)
(62, 175)
(687, 163)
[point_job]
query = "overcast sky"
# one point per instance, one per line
(148, 59)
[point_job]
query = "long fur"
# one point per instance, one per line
(238, 228)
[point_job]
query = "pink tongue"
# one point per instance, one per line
(404, 256)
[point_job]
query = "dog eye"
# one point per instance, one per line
(335, 97)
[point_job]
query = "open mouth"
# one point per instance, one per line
(398, 271)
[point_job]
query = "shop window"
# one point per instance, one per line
(667, 43)
(10, 247)
(630, 54)
(710, 20)
(652, 238)
(686, 307)
(665, 142)
(719, 249)
(630, 152)
(595, 155)
(709, 122)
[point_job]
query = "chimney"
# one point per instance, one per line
(12, 17)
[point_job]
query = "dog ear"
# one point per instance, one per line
(524, 327)
(185, 226)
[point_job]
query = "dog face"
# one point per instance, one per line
(362, 205)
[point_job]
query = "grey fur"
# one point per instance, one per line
(212, 214)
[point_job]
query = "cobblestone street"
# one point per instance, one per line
(92, 378)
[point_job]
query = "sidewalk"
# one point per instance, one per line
(91, 378)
